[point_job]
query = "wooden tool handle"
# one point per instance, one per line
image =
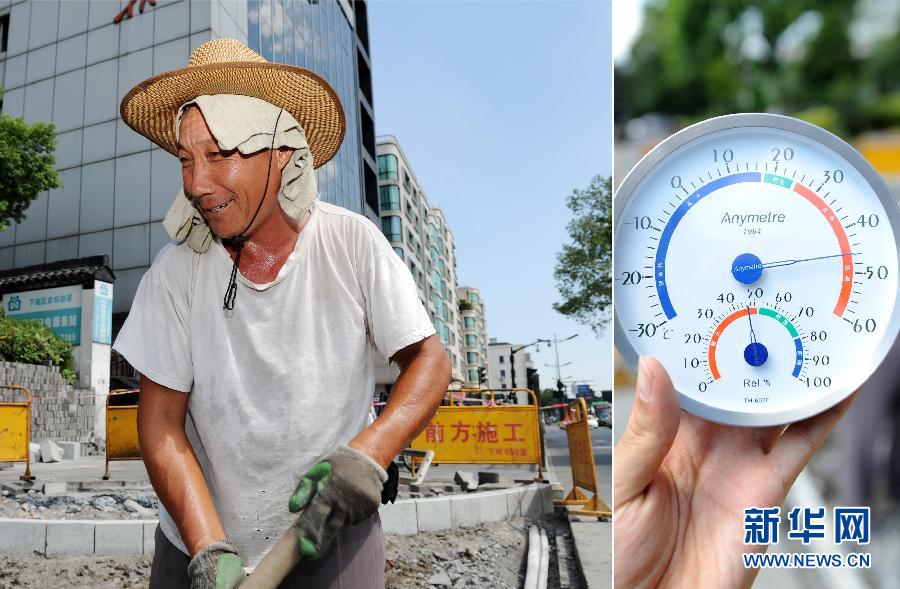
(276, 564)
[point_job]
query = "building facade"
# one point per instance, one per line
(474, 333)
(420, 235)
(501, 366)
(70, 63)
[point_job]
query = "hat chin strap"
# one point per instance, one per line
(239, 239)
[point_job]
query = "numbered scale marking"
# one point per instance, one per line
(756, 258)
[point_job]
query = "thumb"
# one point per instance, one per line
(651, 429)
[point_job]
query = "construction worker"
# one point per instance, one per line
(257, 330)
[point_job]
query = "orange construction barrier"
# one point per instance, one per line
(15, 431)
(121, 431)
(584, 470)
(485, 433)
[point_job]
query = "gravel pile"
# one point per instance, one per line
(124, 504)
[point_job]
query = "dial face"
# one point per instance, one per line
(756, 258)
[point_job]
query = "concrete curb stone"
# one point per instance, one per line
(150, 537)
(22, 536)
(119, 537)
(68, 538)
(405, 517)
(433, 515)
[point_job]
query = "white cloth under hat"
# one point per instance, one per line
(246, 123)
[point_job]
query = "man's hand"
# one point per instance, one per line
(340, 491)
(217, 566)
(682, 484)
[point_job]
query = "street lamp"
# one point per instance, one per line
(512, 357)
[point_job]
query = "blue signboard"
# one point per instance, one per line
(103, 294)
(583, 390)
(57, 308)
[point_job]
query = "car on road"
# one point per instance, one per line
(605, 417)
(593, 421)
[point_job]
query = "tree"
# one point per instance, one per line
(27, 165)
(699, 58)
(547, 397)
(584, 266)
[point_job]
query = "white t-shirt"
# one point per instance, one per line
(278, 384)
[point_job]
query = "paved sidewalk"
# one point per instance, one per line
(86, 469)
(593, 543)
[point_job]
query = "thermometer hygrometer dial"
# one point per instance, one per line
(756, 258)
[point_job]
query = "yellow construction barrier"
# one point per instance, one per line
(484, 434)
(584, 470)
(121, 432)
(15, 431)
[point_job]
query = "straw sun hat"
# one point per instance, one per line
(227, 66)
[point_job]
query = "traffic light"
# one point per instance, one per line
(482, 375)
(560, 390)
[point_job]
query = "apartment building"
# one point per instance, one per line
(421, 236)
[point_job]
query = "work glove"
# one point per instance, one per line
(217, 566)
(342, 490)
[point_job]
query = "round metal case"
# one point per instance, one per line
(756, 257)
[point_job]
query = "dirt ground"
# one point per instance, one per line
(491, 555)
(111, 572)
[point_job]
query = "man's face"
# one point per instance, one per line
(226, 187)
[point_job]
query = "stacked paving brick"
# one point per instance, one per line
(58, 411)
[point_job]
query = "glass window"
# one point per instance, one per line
(392, 228)
(472, 357)
(473, 376)
(503, 386)
(407, 184)
(502, 373)
(387, 167)
(471, 340)
(390, 197)
(399, 252)
(502, 361)
(470, 323)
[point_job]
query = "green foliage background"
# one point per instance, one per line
(27, 165)
(31, 342)
(689, 60)
(584, 266)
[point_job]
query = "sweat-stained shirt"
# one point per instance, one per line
(288, 376)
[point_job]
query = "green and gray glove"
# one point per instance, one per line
(342, 490)
(217, 566)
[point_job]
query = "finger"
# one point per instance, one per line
(801, 440)
(307, 548)
(650, 431)
(313, 481)
(302, 495)
(314, 529)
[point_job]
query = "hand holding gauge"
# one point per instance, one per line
(756, 258)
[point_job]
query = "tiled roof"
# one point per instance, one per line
(62, 273)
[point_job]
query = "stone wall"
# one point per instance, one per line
(58, 411)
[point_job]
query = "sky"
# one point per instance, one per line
(628, 17)
(503, 108)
